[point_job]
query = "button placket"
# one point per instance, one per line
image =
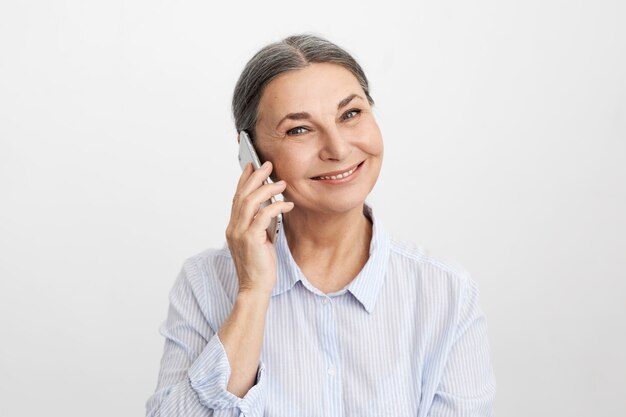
(327, 314)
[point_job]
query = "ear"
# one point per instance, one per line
(237, 138)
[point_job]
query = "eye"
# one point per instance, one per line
(351, 114)
(297, 131)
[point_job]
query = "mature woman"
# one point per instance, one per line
(335, 318)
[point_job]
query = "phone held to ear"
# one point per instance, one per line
(248, 154)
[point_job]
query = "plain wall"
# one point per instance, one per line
(505, 139)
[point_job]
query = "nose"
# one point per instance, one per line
(334, 145)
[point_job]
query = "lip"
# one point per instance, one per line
(331, 173)
(341, 181)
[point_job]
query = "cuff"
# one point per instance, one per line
(209, 376)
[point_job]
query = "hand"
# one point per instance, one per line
(253, 253)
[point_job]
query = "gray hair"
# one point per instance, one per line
(292, 53)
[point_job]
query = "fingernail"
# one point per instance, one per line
(265, 164)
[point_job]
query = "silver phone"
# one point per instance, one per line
(248, 154)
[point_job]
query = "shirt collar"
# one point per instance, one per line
(365, 287)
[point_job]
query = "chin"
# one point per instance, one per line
(340, 207)
(334, 203)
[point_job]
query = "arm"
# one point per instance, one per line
(467, 386)
(195, 369)
(204, 373)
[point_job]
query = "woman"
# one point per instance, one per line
(335, 317)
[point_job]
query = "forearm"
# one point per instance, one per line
(180, 400)
(242, 338)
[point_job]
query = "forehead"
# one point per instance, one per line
(310, 89)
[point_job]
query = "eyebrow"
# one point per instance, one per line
(304, 115)
(347, 100)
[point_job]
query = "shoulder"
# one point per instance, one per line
(203, 263)
(441, 289)
(211, 273)
(422, 257)
(430, 273)
(208, 281)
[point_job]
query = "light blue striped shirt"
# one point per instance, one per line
(405, 338)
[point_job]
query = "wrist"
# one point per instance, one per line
(253, 297)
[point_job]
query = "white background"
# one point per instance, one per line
(505, 134)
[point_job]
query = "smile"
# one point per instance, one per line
(339, 175)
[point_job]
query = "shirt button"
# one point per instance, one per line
(331, 371)
(325, 300)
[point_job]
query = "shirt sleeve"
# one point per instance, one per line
(194, 369)
(467, 387)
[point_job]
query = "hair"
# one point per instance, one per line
(292, 53)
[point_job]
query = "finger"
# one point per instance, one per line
(247, 171)
(256, 179)
(265, 215)
(253, 201)
(243, 178)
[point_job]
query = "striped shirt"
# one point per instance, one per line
(406, 337)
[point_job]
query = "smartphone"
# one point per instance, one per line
(248, 154)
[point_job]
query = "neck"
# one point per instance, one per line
(321, 241)
(324, 230)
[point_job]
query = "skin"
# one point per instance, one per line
(312, 121)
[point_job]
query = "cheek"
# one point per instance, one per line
(370, 139)
(288, 166)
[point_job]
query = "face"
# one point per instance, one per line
(317, 128)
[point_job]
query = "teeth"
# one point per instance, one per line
(335, 177)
